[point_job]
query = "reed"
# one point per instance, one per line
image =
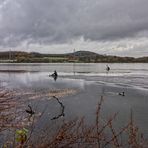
(77, 133)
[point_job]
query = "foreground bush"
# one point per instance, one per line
(77, 134)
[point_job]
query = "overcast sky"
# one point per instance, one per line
(118, 27)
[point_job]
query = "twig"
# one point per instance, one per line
(62, 111)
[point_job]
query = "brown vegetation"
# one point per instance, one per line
(79, 56)
(75, 133)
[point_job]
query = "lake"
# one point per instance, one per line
(90, 81)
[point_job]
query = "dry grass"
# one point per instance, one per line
(77, 133)
(8, 105)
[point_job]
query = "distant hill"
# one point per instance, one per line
(78, 56)
(83, 53)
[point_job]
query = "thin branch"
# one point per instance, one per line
(62, 110)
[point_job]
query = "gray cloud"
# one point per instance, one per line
(62, 21)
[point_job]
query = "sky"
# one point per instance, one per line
(113, 27)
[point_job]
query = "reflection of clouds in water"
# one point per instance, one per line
(3, 84)
(41, 80)
(19, 78)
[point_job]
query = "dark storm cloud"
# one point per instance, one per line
(60, 21)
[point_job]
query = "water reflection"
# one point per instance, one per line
(84, 104)
(39, 80)
(76, 67)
